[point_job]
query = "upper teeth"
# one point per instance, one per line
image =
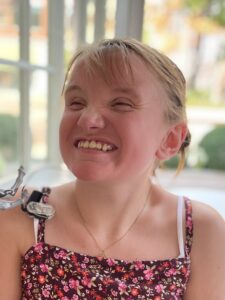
(95, 145)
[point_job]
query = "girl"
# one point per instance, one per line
(115, 234)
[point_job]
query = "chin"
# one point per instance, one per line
(90, 174)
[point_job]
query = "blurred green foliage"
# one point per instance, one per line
(213, 144)
(8, 136)
(214, 9)
(198, 97)
(209, 153)
(171, 163)
(202, 98)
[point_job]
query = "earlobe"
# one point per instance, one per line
(172, 141)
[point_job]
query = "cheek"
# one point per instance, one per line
(67, 123)
(137, 142)
(148, 136)
(62, 128)
(61, 136)
(65, 129)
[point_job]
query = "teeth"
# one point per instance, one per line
(105, 148)
(99, 146)
(94, 145)
(85, 144)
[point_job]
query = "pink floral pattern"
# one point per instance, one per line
(50, 272)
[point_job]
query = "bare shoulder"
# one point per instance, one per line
(209, 225)
(208, 254)
(15, 225)
(16, 236)
(204, 211)
(16, 230)
(15, 221)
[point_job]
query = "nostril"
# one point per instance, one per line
(94, 127)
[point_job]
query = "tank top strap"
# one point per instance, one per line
(188, 226)
(39, 229)
(39, 226)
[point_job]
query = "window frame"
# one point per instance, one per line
(54, 70)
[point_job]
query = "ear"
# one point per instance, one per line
(172, 141)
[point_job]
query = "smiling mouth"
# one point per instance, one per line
(95, 145)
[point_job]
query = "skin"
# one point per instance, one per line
(95, 110)
(114, 185)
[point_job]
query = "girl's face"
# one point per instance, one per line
(112, 132)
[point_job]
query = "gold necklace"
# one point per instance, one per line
(103, 250)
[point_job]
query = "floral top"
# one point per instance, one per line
(51, 272)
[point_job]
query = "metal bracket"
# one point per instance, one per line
(12, 191)
(32, 204)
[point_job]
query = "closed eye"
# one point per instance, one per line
(122, 105)
(76, 104)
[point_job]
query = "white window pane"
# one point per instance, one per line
(39, 32)
(110, 22)
(9, 32)
(38, 116)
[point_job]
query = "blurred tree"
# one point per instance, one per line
(204, 14)
(8, 136)
(214, 9)
(213, 144)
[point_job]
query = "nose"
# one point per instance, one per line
(91, 118)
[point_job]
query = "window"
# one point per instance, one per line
(31, 72)
(37, 39)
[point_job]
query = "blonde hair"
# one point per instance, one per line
(102, 55)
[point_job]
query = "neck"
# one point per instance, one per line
(113, 208)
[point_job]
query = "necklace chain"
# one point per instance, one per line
(103, 250)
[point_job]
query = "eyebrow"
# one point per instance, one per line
(73, 87)
(125, 90)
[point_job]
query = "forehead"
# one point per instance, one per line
(114, 69)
